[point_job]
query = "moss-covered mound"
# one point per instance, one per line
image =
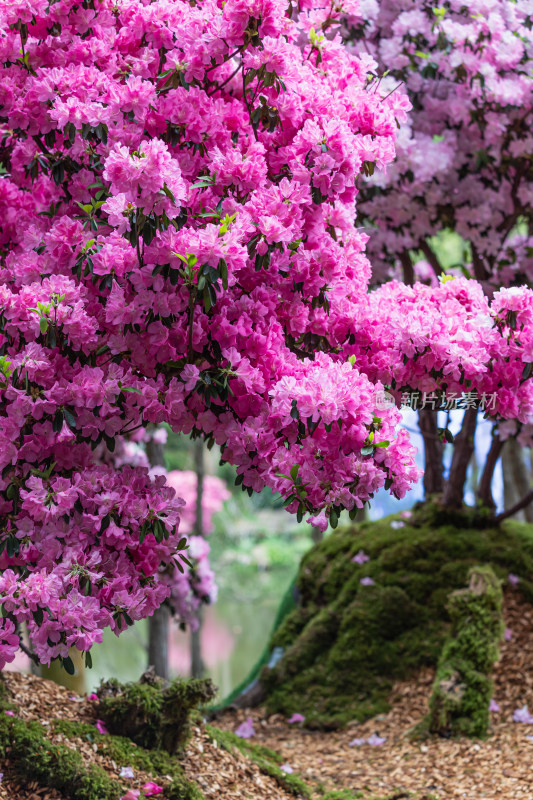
(151, 714)
(349, 638)
(459, 704)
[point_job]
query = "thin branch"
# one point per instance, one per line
(407, 265)
(525, 501)
(484, 492)
(29, 653)
(431, 258)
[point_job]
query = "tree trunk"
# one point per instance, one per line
(158, 624)
(462, 453)
(484, 491)
(197, 664)
(515, 479)
(433, 452)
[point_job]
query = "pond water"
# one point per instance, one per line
(234, 632)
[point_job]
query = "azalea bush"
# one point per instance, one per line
(178, 245)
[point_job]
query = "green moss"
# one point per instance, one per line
(267, 760)
(33, 756)
(123, 751)
(346, 643)
(459, 704)
(152, 715)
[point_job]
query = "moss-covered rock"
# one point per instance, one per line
(151, 714)
(459, 703)
(347, 642)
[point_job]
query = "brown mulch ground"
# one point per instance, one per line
(497, 768)
(219, 774)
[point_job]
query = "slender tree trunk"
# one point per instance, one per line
(197, 664)
(484, 491)
(462, 453)
(158, 624)
(433, 452)
(515, 479)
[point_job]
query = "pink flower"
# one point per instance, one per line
(246, 729)
(93, 696)
(357, 743)
(367, 582)
(296, 718)
(513, 579)
(131, 794)
(101, 726)
(151, 788)
(10, 713)
(494, 706)
(361, 557)
(286, 768)
(508, 634)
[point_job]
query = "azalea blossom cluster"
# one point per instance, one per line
(464, 155)
(437, 340)
(177, 245)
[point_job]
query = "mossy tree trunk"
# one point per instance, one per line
(459, 704)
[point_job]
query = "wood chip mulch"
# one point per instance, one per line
(497, 768)
(221, 775)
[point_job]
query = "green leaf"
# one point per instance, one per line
(130, 389)
(294, 471)
(68, 665)
(333, 518)
(88, 660)
(70, 419)
(43, 324)
(384, 443)
(367, 450)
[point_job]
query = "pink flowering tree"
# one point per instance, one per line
(463, 165)
(178, 245)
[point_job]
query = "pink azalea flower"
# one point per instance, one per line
(151, 788)
(376, 740)
(367, 582)
(523, 715)
(131, 794)
(296, 718)
(406, 514)
(10, 713)
(287, 768)
(101, 726)
(246, 729)
(93, 696)
(494, 706)
(508, 635)
(361, 557)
